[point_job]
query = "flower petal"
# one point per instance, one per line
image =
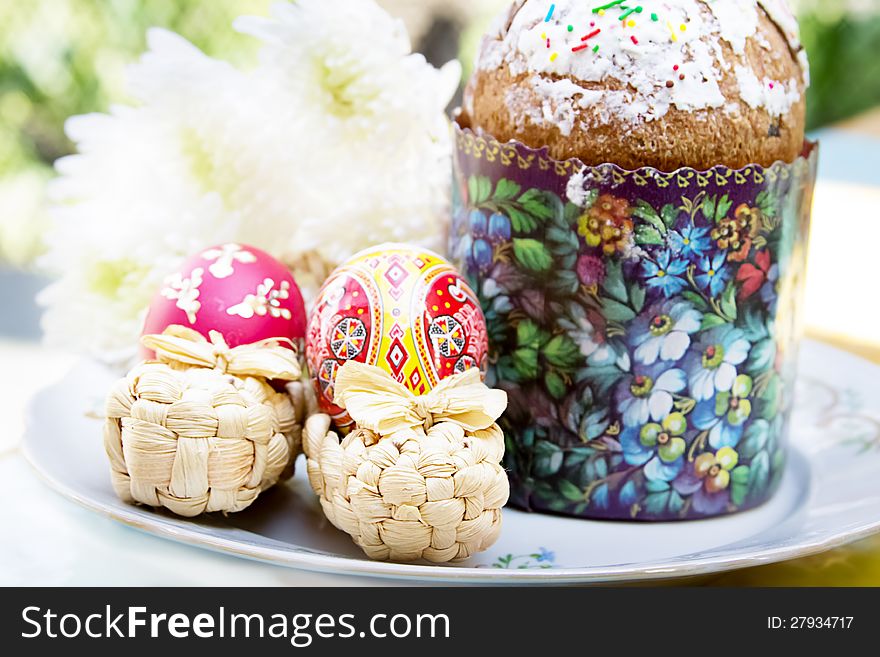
(675, 346)
(675, 423)
(636, 412)
(719, 482)
(671, 381)
(649, 352)
(633, 451)
(672, 451)
(677, 267)
(704, 416)
(649, 434)
(709, 505)
(660, 404)
(703, 385)
(740, 415)
(649, 268)
(687, 483)
(743, 386)
(725, 375)
(689, 322)
(656, 470)
(724, 435)
(638, 458)
(727, 458)
(737, 352)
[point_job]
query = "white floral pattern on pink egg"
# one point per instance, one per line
(240, 291)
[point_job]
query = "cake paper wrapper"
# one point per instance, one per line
(645, 325)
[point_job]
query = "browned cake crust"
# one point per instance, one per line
(734, 135)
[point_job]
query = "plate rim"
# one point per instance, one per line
(332, 564)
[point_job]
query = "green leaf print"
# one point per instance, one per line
(698, 301)
(728, 302)
(645, 211)
(739, 486)
(561, 352)
(570, 492)
(755, 439)
(521, 221)
(537, 203)
(615, 311)
(715, 209)
(648, 236)
(480, 189)
(614, 284)
(506, 190)
(669, 215)
(637, 297)
(528, 334)
(766, 203)
(548, 459)
(711, 321)
(555, 384)
(525, 362)
(532, 254)
(663, 503)
(759, 476)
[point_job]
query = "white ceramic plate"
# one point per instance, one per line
(830, 496)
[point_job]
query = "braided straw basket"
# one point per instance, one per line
(200, 429)
(420, 476)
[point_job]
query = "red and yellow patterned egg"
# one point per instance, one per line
(401, 308)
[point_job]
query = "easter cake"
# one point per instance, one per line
(633, 196)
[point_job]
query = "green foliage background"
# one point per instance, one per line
(59, 58)
(845, 65)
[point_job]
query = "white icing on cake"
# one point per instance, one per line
(780, 13)
(666, 55)
(775, 97)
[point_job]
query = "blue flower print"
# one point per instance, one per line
(659, 447)
(711, 364)
(691, 241)
(647, 396)
(545, 556)
(725, 416)
(666, 274)
(664, 332)
(714, 275)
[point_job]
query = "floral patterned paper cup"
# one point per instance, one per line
(645, 325)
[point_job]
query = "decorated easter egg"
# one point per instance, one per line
(242, 292)
(401, 308)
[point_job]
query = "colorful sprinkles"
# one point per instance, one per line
(599, 10)
(627, 19)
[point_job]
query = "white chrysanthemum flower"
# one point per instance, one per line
(368, 117)
(336, 141)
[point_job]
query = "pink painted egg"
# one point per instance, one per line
(404, 309)
(242, 292)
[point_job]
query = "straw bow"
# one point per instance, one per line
(377, 402)
(266, 358)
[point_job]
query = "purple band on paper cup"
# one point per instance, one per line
(644, 324)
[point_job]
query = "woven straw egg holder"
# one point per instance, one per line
(420, 477)
(200, 429)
